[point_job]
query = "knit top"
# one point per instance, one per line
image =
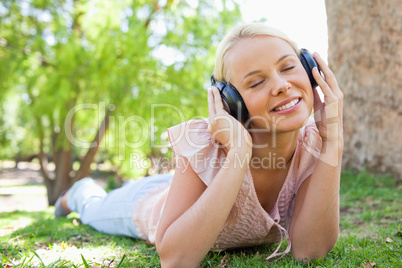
(248, 224)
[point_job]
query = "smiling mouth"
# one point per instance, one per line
(287, 106)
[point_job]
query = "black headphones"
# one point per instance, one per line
(232, 100)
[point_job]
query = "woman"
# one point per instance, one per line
(237, 185)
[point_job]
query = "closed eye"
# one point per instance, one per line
(288, 69)
(256, 84)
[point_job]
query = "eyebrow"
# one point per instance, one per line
(257, 71)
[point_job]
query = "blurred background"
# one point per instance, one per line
(90, 87)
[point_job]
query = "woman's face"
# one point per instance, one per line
(274, 85)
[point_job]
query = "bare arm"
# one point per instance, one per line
(195, 214)
(188, 229)
(315, 222)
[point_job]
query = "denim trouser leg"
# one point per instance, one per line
(112, 212)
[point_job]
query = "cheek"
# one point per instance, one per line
(254, 103)
(304, 85)
(309, 104)
(310, 99)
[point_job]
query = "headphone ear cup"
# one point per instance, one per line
(232, 101)
(308, 62)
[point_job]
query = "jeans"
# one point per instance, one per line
(111, 212)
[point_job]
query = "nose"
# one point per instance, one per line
(279, 85)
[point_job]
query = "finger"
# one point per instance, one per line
(217, 99)
(329, 75)
(211, 105)
(318, 104)
(323, 85)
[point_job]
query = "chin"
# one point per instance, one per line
(290, 124)
(288, 129)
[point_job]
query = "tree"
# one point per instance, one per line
(365, 55)
(96, 75)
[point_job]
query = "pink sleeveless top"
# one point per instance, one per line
(248, 223)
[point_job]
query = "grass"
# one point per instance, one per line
(370, 236)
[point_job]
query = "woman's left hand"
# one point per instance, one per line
(328, 114)
(315, 221)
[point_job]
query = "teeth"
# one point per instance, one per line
(288, 105)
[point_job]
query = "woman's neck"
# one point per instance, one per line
(275, 149)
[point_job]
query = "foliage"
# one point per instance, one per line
(68, 65)
(364, 240)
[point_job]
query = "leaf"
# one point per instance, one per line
(370, 264)
(64, 245)
(224, 261)
(93, 59)
(37, 255)
(4, 257)
(121, 261)
(85, 262)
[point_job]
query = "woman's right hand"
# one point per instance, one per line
(223, 127)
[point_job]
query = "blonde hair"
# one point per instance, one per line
(249, 30)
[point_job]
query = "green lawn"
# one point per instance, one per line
(370, 236)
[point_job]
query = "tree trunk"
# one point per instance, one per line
(85, 166)
(365, 55)
(62, 178)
